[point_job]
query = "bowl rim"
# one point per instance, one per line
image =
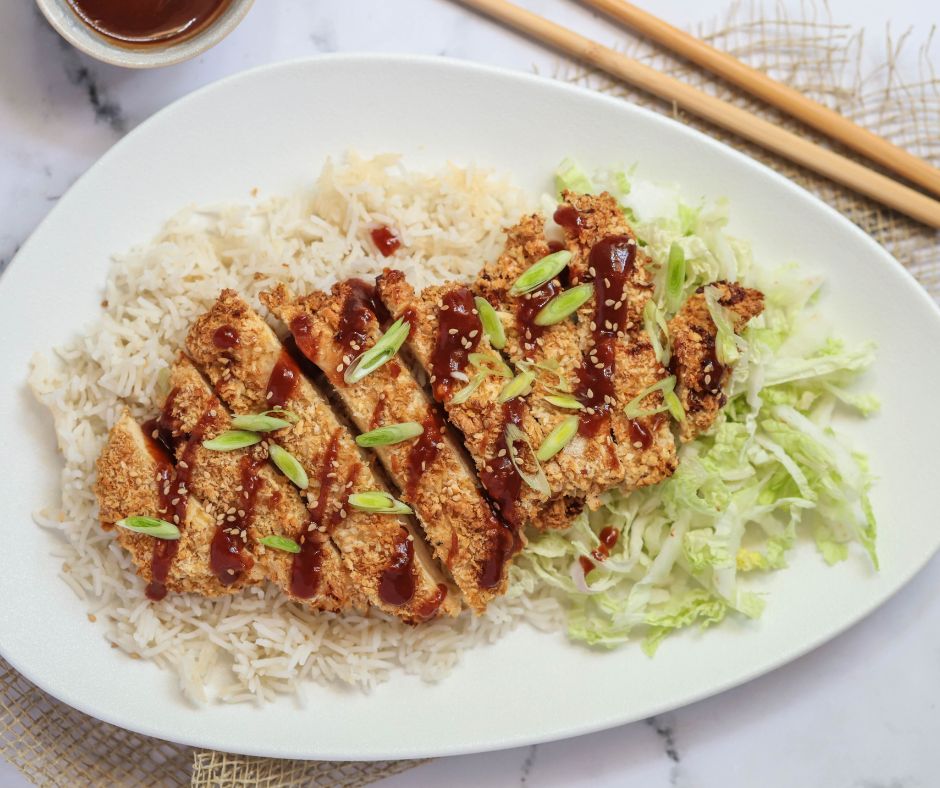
(59, 14)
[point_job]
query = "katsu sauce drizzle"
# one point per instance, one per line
(283, 382)
(385, 240)
(226, 557)
(424, 451)
(458, 334)
(611, 262)
(307, 566)
(356, 316)
(527, 307)
(173, 482)
(397, 583)
(608, 539)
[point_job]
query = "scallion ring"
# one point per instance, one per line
(489, 364)
(280, 543)
(259, 423)
(541, 272)
(674, 405)
(230, 440)
(558, 438)
(675, 278)
(633, 409)
(288, 465)
(467, 391)
(517, 387)
(378, 502)
(537, 481)
(568, 401)
(381, 352)
(563, 305)
(151, 526)
(492, 325)
(390, 434)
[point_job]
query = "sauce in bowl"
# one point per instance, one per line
(136, 23)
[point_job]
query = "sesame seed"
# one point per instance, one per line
(339, 367)
(637, 445)
(451, 331)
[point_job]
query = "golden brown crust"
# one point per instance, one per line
(589, 465)
(442, 490)
(368, 543)
(127, 485)
(646, 447)
(699, 384)
(480, 418)
(274, 508)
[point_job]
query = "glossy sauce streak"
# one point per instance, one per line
(378, 411)
(173, 484)
(500, 478)
(397, 583)
(226, 557)
(608, 539)
(428, 608)
(456, 321)
(148, 22)
(283, 381)
(385, 240)
(611, 262)
(225, 338)
(307, 568)
(527, 307)
(424, 451)
(356, 317)
(568, 217)
(301, 329)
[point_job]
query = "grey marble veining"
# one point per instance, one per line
(863, 711)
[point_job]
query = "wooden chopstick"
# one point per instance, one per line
(791, 101)
(790, 146)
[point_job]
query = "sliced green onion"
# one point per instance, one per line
(489, 364)
(382, 351)
(280, 543)
(390, 434)
(230, 440)
(288, 465)
(568, 401)
(563, 305)
(150, 526)
(492, 325)
(259, 423)
(541, 272)
(674, 405)
(675, 278)
(467, 391)
(518, 386)
(633, 410)
(726, 346)
(558, 438)
(655, 325)
(163, 382)
(378, 502)
(537, 480)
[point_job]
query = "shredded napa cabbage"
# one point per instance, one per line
(771, 469)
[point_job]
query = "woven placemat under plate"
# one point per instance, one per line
(54, 745)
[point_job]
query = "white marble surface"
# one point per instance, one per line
(860, 712)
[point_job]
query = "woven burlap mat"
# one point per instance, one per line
(55, 745)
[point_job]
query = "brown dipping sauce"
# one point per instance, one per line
(397, 583)
(385, 240)
(456, 320)
(424, 451)
(226, 559)
(138, 23)
(608, 538)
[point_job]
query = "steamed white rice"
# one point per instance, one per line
(257, 644)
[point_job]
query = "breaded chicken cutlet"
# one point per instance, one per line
(429, 469)
(593, 376)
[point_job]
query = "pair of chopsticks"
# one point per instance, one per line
(791, 146)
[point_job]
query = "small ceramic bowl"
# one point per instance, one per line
(63, 18)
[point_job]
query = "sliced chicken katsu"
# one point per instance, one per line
(619, 362)
(252, 372)
(137, 478)
(250, 499)
(445, 333)
(589, 464)
(700, 377)
(429, 469)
